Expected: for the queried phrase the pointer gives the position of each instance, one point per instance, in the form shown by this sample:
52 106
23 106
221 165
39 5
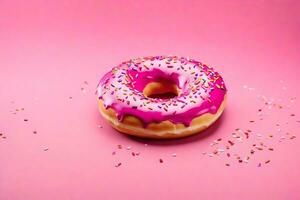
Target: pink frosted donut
131 96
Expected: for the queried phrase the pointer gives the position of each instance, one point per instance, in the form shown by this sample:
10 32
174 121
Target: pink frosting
202 89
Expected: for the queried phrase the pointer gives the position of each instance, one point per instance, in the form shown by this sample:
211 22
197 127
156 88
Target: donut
161 97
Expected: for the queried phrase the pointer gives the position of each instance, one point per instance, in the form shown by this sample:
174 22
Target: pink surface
47 51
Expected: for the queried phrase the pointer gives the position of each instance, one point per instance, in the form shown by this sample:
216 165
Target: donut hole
161 90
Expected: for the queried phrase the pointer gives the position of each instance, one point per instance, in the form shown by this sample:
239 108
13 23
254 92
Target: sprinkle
271 149
119 146
46 149
251 121
267 161
259 148
246 160
174 155
221 150
132 153
113 153
293 137
128 148
161 160
118 165
25 120
259 165
34 132
230 142
227 164
282 137
99 126
213 143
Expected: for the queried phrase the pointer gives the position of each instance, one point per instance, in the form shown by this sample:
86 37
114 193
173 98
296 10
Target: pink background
49 48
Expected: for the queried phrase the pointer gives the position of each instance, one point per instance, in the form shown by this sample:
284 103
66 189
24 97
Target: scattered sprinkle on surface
118 164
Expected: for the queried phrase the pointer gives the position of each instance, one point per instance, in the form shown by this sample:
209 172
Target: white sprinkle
259 135
174 155
221 150
260 114
213 143
128 148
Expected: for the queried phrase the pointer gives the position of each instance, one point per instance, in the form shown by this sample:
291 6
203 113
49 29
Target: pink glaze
202 90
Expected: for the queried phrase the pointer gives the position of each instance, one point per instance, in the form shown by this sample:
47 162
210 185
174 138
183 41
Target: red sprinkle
118 165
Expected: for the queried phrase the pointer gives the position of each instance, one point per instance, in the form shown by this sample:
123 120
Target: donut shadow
181 141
